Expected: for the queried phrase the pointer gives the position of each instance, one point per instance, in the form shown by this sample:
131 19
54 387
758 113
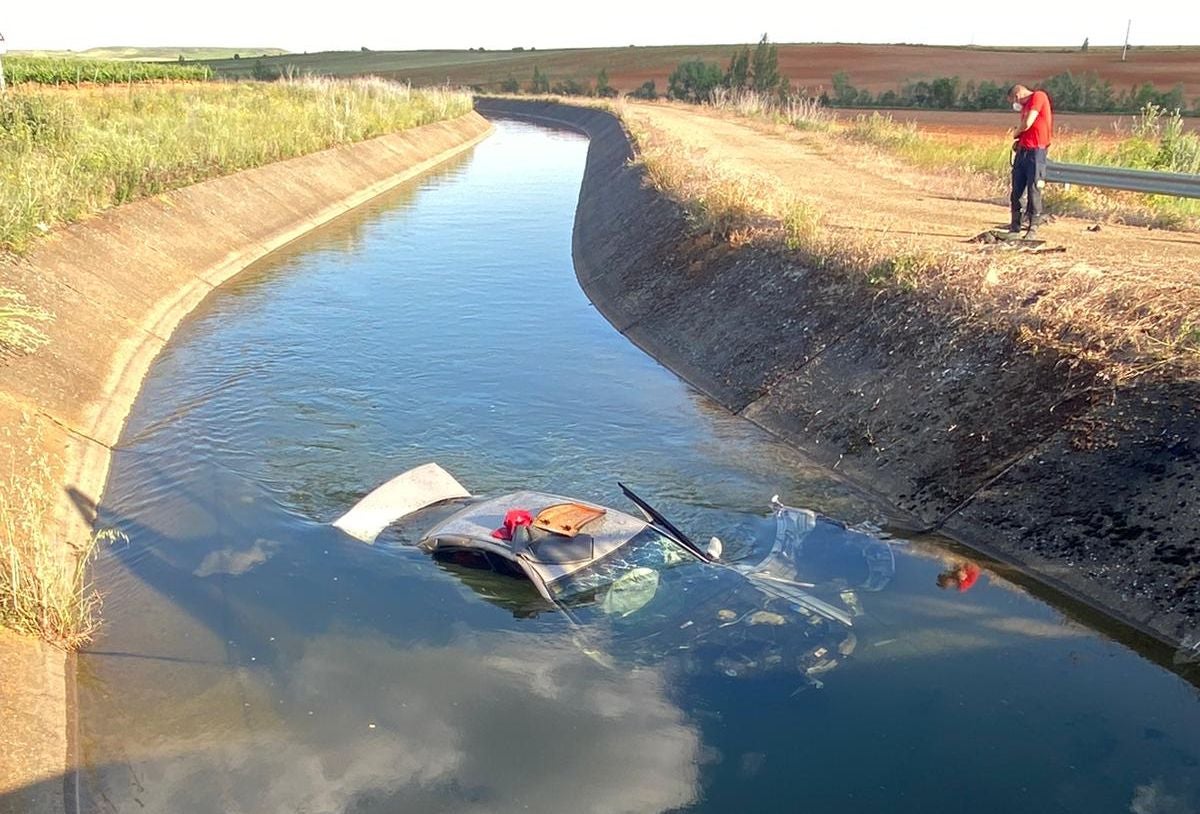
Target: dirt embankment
118 285
1029 456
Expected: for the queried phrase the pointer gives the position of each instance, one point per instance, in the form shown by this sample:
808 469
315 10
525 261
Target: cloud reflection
510 723
236 562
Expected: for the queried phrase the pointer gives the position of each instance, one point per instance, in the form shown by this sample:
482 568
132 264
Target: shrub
603 88
540 82
571 87
263 72
646 91
44 587
764 67
694 81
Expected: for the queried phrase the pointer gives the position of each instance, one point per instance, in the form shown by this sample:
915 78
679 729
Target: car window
648 549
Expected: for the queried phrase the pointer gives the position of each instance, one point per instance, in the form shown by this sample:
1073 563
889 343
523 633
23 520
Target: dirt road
863 190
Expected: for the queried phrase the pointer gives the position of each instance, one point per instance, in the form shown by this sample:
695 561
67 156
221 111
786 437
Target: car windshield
634 565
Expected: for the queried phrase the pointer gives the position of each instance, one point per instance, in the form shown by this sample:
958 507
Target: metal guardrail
1148 181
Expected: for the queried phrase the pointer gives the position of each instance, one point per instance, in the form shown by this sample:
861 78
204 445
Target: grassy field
75 71
64 156
1156 141
811 66
165 54
1127 320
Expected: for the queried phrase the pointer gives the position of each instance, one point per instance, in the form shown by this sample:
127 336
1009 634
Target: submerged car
794 605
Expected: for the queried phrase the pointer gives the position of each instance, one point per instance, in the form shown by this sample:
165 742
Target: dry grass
801 112
1125 322
66 155
44 586
721 204
1156 141
18 334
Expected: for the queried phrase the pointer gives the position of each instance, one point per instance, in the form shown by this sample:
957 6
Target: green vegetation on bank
1082 93
45 590
696 80
66 155
44 586
1157 141
20 70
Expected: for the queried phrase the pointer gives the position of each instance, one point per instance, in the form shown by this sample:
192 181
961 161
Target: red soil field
886 67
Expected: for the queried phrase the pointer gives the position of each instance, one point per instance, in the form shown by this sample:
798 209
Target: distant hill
156 54
812 66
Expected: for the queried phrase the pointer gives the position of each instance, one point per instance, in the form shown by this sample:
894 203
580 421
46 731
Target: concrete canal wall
118 285
1029 458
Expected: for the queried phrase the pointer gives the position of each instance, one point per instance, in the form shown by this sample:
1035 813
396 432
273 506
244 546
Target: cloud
497 724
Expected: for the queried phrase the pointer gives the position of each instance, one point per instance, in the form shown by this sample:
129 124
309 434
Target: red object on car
512 519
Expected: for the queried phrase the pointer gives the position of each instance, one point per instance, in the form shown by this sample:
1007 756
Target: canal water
254 659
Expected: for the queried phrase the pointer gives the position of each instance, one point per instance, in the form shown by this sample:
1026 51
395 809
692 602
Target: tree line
1085 93
757 70
540 84
693 81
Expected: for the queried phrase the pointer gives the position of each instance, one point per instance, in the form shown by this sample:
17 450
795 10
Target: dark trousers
1028 177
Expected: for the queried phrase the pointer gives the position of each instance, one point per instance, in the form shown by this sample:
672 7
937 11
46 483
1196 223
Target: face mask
1017 106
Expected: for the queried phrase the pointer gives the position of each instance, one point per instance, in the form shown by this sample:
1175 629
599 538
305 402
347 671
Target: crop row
67 71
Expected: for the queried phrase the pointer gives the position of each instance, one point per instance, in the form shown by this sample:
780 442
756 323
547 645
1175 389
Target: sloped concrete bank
1027 457
119 284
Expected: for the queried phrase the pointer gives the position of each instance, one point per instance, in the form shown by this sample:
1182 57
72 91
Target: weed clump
45 590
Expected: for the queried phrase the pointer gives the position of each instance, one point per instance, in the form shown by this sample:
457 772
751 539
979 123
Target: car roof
552 556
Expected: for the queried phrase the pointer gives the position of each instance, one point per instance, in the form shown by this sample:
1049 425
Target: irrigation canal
255 659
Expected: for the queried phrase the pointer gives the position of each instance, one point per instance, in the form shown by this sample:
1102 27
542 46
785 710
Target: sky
303 25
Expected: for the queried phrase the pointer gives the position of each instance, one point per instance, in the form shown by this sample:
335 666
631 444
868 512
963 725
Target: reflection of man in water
963 575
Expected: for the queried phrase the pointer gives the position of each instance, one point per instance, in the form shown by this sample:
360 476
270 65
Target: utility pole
1128 25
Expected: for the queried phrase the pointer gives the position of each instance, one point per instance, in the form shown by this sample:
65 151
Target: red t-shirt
1043 125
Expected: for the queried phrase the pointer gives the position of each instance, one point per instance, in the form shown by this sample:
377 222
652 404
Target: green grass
20 70
66 155
1157 142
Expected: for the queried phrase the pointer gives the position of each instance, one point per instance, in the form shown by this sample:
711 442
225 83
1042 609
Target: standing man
1031 140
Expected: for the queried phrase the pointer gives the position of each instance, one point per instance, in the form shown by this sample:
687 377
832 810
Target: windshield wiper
663 524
